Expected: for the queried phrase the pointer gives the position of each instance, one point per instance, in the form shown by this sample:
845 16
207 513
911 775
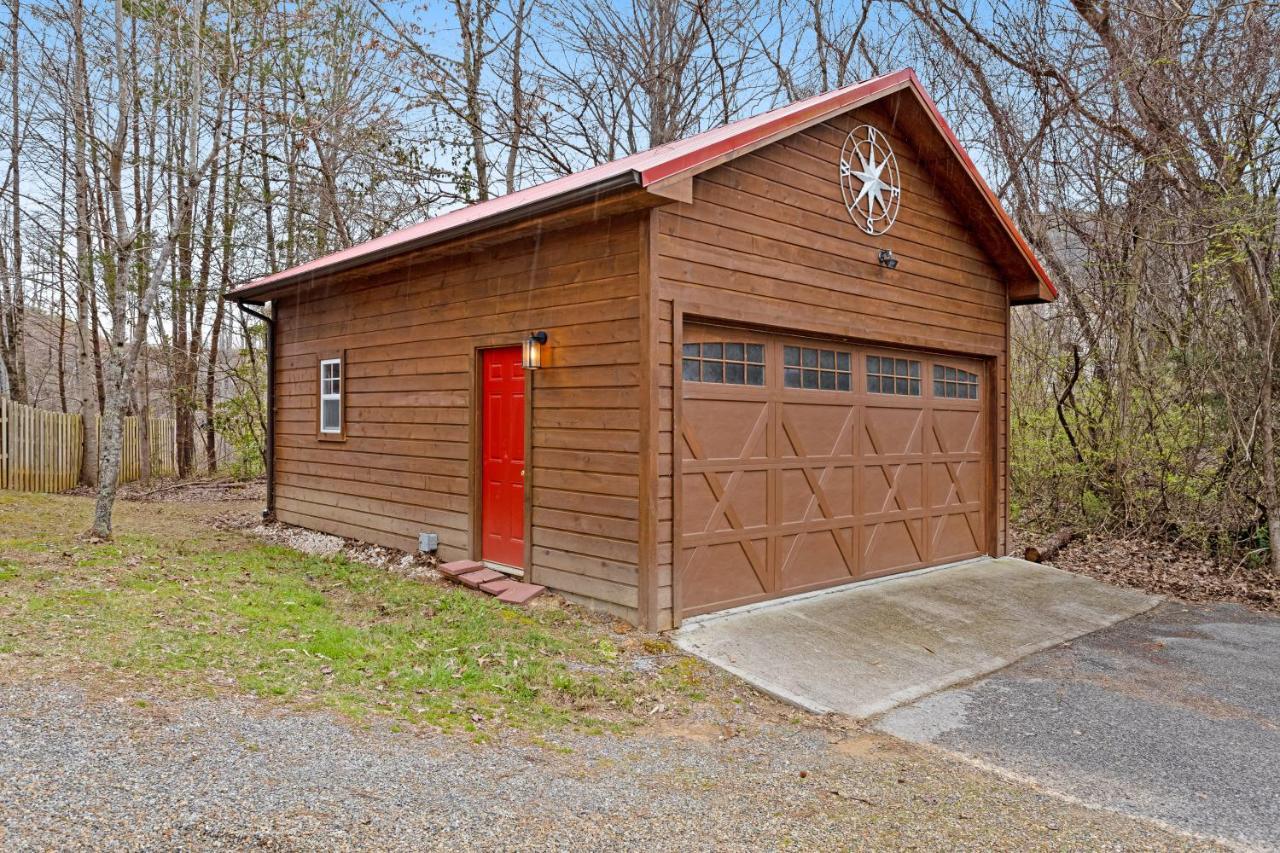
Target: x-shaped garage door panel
787 488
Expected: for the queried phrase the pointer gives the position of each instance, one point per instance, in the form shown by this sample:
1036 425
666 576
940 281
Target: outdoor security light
532 358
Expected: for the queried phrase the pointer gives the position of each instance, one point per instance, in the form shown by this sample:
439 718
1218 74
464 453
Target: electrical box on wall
428 542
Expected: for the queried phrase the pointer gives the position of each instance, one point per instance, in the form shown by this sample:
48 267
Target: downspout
269 513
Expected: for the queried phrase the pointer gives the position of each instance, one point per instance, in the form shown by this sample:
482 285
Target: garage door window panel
892 375
724 362
954 383
816 369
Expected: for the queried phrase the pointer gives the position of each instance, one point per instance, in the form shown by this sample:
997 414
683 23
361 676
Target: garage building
766 359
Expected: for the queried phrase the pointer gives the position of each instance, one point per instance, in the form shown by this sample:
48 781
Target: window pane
938 389
808 357
938 372
734 374
755 353
827 359
873 384
900 367
755 374
692 349
902 386
873 364
712 371
842 360
915 370
791 356
827 380
692 370
734 352
842 381
810 377
712 350
791 377
329 415
915 387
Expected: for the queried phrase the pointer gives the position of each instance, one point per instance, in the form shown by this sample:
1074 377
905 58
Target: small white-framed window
331 396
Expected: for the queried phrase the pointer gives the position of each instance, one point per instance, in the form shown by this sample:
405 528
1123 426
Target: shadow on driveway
1172 715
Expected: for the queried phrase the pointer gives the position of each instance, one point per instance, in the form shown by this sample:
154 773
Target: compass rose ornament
869 179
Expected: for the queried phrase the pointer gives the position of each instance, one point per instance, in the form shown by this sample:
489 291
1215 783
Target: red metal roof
643 170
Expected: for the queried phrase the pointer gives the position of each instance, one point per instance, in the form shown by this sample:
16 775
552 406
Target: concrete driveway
1172 715
864 649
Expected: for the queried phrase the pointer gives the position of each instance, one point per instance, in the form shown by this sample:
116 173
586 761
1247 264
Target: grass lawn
177 605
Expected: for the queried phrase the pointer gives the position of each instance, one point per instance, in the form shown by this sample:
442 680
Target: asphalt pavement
1172 715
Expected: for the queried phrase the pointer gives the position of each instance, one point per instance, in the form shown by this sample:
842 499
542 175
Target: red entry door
502 425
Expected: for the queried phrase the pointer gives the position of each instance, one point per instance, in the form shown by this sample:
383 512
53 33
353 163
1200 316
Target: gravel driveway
1172 715
93 769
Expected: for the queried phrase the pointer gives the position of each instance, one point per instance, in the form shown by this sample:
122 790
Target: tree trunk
109 462
142 405
517 95
1049 549
62 275
15 350
210 433
1270 485
473 29
86 345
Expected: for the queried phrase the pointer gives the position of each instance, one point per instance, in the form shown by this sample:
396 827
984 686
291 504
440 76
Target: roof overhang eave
254 294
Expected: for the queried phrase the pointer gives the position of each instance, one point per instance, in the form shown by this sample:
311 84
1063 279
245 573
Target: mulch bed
1171 570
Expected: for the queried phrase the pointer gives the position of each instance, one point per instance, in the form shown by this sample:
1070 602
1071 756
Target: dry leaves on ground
1171 570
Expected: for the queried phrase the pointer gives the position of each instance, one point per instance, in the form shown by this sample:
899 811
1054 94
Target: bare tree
12 286
1143 161
622 77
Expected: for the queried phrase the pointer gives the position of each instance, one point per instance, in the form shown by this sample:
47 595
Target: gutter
268 513
590 192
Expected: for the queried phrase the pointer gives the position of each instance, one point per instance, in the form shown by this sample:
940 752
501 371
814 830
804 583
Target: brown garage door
807 463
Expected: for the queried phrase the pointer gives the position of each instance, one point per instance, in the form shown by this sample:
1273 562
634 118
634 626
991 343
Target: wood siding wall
767 240
409 335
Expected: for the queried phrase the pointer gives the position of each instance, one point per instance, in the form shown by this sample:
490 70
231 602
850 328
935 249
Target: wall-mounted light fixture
888 260
532 357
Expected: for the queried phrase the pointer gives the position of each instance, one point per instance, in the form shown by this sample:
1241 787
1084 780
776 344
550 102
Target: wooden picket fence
40 450
164 448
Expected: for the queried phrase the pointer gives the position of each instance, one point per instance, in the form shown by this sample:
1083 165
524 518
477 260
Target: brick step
496 586
518 592
459 567
506 589
474 579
